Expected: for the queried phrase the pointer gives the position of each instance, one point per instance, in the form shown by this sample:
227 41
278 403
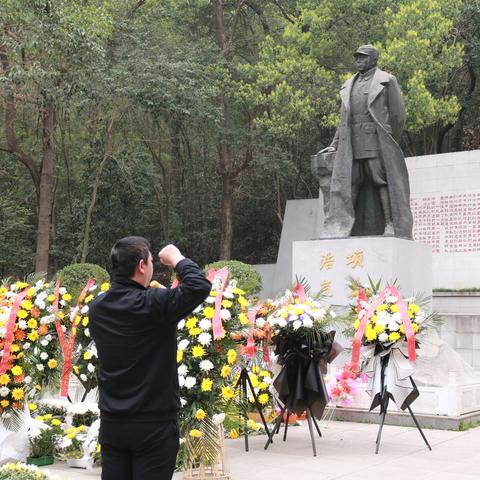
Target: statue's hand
328 149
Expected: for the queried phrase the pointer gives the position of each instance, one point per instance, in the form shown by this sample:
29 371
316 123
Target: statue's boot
387 212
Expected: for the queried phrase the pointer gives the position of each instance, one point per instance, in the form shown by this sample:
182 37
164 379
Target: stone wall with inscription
445 202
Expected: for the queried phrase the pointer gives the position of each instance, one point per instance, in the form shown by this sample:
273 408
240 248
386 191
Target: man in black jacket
135 331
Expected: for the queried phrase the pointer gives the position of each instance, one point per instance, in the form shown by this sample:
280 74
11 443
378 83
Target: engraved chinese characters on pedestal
362 174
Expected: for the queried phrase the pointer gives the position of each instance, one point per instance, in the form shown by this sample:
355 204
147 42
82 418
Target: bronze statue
369 188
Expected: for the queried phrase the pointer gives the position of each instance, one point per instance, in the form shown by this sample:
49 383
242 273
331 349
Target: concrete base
439 422
328 263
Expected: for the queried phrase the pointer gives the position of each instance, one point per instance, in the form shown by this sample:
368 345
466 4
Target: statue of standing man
369 188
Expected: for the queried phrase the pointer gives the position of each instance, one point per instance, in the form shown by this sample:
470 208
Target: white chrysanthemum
396 316
183 402
62 290
225 314
204 338
260 322
36 351
293 318
28 379
393 326
4 391
183 344
181 324
81 408
205 324
391 299
90 367
420 318
383 337
307 321
190 382
84 309
40 303
182 369
86 332
198 309
267 380
22 324
228 294
181 381
210 300
40 367
44 355
47 319
361 314
83 377
218 418
206 365
44 342
281 322
297 324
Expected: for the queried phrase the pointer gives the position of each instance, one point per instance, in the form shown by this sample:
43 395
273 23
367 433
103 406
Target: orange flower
19 378
35 312
42 330
19 335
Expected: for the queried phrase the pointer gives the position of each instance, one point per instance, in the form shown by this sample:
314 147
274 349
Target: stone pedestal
328 263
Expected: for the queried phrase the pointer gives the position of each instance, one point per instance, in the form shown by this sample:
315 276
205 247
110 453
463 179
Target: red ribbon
402 307
9 337
67 345
250 340
222 274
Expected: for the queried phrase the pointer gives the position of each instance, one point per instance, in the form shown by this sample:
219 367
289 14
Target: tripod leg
277 424
316 424
245 396
257 403
379 435
286 427
419 429
309 418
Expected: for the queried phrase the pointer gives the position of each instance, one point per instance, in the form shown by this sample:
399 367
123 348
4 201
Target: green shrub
247 277
74 277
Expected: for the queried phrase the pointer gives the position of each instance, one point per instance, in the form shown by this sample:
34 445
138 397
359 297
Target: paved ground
347 452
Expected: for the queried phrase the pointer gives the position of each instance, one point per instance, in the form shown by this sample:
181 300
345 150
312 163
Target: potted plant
43 441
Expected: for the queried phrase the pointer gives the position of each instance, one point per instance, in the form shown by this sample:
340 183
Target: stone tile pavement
347 452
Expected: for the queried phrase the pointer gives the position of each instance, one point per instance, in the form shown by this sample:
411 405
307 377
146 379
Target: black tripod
385 398
276 428
242 382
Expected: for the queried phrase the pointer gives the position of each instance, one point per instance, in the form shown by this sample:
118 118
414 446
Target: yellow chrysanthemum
18 393
21 285
33 336
243 318
233 434
226 303
4 403
104 287
208 312
382 307
264 373
76 370
194 433
262 385
179 356
195 331
67 297
88 299
242 301
52 363
200 415
206 385
394 308
402 328
17 370
32 407
238 291
51 297
356 324
87 356
22 314
56 422
370 334
61 315
414 327
4 379
394 336
227 393
379 329
26 304
191 322
254 380
413 307
32 323
226 370
198 351
71 435
231 356
263 398
14 348
85 321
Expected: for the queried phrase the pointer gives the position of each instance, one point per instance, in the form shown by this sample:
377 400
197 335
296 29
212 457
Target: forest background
193 121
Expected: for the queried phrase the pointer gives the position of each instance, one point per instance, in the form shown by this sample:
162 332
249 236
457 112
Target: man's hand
170 255
328 149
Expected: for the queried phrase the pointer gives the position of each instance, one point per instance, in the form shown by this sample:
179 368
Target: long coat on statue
386 107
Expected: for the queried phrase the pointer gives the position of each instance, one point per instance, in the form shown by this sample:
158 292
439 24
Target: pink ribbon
299 291
222 274
402 307
10 329
250 340
175 283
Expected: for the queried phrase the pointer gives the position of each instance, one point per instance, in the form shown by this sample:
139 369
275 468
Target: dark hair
126 253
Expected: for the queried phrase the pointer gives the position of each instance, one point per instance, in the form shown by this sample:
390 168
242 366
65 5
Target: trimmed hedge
247 277
74 277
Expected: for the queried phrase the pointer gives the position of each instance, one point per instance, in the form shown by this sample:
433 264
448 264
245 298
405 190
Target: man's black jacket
135 331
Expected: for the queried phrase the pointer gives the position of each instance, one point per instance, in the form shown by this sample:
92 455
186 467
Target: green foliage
247 277
74 277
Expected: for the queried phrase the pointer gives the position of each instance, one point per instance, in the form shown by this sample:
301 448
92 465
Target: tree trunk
96 185
226 237
45 197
